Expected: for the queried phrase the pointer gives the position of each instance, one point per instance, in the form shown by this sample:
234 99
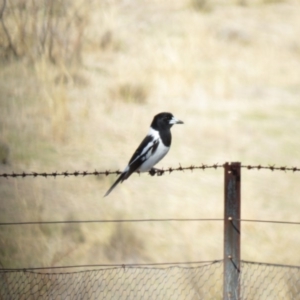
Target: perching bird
152 149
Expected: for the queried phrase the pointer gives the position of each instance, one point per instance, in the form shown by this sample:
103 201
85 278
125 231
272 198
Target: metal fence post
232 215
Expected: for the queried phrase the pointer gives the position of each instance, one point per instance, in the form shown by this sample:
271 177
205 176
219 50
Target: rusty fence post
232 236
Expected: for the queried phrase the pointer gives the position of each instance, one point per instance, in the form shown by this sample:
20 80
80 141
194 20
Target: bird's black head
164 120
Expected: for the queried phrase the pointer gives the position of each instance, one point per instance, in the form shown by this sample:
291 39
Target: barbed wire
153 172
158 172
271 168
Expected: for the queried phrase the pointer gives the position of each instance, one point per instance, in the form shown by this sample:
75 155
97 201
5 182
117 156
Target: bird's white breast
153 159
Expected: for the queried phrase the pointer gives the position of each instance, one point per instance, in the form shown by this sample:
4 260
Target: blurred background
80 82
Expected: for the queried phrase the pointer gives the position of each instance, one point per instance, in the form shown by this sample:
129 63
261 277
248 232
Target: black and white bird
152 149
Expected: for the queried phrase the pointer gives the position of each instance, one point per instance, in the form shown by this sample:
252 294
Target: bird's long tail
120 179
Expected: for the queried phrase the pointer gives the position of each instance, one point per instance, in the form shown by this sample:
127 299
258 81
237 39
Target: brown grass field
230 70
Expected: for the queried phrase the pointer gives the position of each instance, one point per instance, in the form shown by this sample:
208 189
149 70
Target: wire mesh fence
205 281
269 281
173 282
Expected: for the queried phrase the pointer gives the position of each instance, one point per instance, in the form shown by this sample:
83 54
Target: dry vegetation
72 100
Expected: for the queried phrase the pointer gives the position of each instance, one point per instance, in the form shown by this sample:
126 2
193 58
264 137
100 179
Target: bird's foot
156 171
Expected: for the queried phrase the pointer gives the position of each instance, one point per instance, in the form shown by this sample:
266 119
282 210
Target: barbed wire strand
271 168
153 172
106 221
158 172
114 265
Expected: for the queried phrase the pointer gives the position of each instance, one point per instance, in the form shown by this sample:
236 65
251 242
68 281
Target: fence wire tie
230 219
235 266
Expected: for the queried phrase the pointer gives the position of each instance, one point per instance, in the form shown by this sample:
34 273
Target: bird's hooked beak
175 121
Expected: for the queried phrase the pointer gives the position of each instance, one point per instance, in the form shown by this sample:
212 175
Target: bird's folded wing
147 148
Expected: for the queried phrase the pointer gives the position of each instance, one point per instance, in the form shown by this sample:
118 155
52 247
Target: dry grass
53 29
231 73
